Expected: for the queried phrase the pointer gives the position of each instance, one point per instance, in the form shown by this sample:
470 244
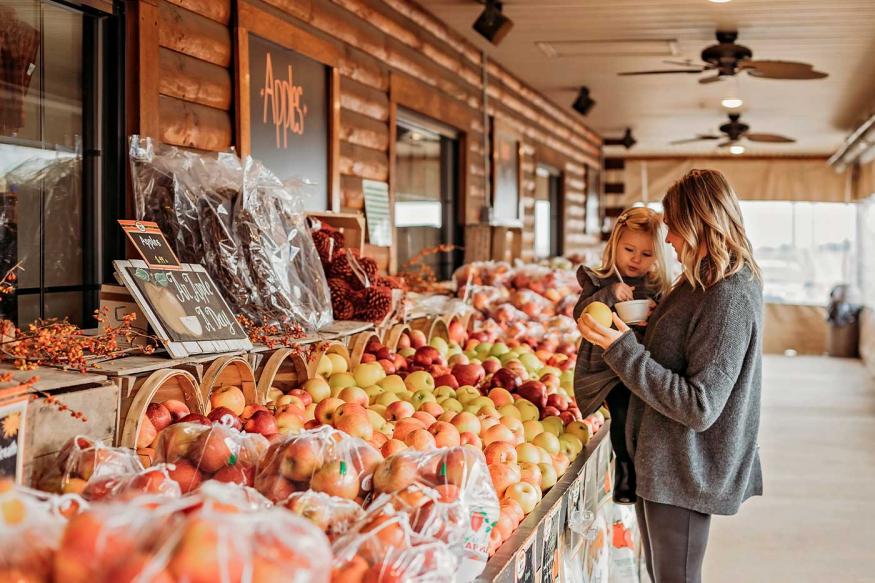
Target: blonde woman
633 267
695 381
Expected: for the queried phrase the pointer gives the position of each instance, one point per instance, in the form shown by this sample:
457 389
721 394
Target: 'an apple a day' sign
184 308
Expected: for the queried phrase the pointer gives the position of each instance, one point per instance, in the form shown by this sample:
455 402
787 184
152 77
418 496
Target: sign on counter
186 310
550 533
151 244
12 416
526 562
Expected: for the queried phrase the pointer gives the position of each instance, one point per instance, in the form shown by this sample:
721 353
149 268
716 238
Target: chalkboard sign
151 243
12 439
550 539
186 310
289 116
526 563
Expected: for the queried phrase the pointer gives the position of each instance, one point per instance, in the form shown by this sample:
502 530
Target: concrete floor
816 521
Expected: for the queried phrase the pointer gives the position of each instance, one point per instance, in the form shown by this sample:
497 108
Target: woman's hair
645 220
703 210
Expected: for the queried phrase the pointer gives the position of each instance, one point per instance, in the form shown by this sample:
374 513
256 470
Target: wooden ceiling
558 45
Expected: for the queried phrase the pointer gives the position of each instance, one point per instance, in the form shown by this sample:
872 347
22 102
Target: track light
627 141
583 104
492 24
736 150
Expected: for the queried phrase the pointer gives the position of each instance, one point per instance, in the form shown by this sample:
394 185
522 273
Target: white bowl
633 312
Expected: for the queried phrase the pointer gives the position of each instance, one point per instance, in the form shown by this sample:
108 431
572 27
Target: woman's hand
623 292
597 334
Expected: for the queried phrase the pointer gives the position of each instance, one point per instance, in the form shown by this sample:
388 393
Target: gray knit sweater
695 409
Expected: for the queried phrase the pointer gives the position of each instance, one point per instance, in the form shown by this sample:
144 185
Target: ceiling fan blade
713 79
781 70
771 138
726 143
687 63
660 72
696 139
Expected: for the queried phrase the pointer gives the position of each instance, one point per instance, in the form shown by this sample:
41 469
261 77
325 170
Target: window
803 248
55 146
426 192
548 212
542 229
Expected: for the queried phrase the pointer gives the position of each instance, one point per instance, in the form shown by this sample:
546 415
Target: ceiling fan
734 131
728 59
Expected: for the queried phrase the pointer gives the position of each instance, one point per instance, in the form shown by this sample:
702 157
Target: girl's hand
623 292
597 334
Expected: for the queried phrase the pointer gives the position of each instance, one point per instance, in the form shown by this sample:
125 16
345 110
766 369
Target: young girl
635 252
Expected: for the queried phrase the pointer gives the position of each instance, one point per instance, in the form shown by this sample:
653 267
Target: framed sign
506 174
184 308
12 417
377 212
288 113
594 213
151 243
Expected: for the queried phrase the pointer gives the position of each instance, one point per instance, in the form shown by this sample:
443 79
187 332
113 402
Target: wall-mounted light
584 103
736 150
492 24
627 141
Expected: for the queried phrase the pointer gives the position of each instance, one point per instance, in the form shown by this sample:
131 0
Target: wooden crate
229 370
507 243
478 243
352 225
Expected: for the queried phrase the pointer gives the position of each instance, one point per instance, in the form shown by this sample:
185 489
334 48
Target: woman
694 414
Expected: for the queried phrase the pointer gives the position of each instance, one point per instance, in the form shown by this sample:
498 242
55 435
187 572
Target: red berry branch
271 335
27 387
419 276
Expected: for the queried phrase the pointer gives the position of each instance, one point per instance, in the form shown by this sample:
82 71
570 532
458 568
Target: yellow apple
368 374
510 411
418 381
553 425
325 368
341 380
467 393
547 441
393 383
528 410
580 430
318 388
531 428
444 392
377 420
548 476
528 453
373 392
386 399
570 445
601 313
452 405
338 363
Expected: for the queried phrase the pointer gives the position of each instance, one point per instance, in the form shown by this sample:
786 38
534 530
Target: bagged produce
332 515
195 453
324 460
625 541
30 530
155 481
383 548
84 461
456 473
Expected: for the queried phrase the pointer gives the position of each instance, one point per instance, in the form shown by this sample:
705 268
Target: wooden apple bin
358 345
323 348
393 336
229 370
434 327
286 369
160 386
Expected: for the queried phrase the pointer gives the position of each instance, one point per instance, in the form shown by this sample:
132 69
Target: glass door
52 136
426 194
548 212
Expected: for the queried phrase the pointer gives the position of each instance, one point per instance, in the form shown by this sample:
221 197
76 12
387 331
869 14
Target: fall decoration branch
272 335
419 276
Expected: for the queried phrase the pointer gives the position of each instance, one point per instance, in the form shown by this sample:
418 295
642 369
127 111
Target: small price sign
151 244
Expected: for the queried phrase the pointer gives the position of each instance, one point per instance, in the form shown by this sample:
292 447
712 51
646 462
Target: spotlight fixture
627 141
736 150
583 104
492 24
731 102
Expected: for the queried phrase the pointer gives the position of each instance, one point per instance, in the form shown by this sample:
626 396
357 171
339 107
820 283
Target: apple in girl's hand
601 313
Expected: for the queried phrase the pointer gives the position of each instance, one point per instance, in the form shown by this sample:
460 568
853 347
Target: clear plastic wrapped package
324 460
332 515
196 453
153 481
84 461
30 531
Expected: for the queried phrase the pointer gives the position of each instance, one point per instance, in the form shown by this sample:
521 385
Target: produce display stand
536 545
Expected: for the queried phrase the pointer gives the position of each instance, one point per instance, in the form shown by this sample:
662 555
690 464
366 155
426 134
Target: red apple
262 422
383 354
186 475
417 339
567 417
388 366
306 398
506 379
159 415
195 418
224 414
534 391
400 362
373 346
403 341
250 410
177 409
469 374
447 380
549 411
490 366
427 356
367 357
457 332
559 401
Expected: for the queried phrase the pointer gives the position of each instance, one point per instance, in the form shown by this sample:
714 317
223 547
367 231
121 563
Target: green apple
386 399
528 453
570 445
554 425
547 441
381 409
452 405
531 362
471 354
444 392
338 362
407 352
528 410
393 384
421 397
579 430
510 411
467 393
377 420
480 409
566 377
368 374
498 349
441 345
482 401
373 392
605 413
324 368
341 380
531 428
406 396
506 358
419 380
550 370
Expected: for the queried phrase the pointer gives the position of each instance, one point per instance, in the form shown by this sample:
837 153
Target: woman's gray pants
674 541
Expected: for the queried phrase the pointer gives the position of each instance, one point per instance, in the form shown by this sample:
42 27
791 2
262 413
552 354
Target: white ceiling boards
558 45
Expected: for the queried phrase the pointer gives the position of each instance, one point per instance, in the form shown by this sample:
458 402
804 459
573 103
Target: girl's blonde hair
703 210
641 219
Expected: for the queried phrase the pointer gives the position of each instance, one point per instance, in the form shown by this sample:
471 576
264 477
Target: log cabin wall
392 53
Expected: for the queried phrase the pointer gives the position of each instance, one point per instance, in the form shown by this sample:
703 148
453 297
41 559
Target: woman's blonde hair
645 220
703 210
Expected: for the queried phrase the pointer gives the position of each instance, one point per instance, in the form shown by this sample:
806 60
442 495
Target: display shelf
50 379
501 568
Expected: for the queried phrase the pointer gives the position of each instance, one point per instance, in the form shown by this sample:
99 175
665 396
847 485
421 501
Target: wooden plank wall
185 75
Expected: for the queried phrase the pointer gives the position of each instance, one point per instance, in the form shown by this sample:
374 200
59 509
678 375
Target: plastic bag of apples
223 533
334 516
322 459
456 474
155 481
382 547
196 453
83 462
31 525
